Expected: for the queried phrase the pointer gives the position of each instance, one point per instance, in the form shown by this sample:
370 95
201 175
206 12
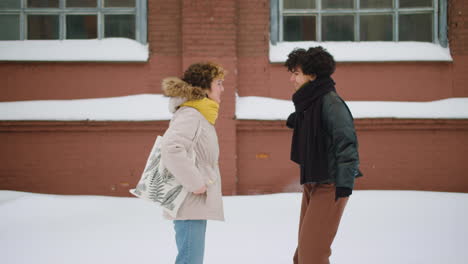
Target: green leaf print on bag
157 184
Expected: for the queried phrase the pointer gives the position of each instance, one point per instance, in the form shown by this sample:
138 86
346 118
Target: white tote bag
158 185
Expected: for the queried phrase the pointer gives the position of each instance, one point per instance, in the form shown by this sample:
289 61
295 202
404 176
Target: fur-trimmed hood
175 87
180 92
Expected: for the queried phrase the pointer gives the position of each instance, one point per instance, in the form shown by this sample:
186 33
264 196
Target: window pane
81 3
10 3
43 3
43 27
81 26
416 27
326 4
119 3
338 28
10 27
299 4
297 28
120 26
415 3
376 28
376 3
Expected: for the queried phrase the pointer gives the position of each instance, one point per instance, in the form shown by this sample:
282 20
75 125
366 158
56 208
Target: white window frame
69 52
439 44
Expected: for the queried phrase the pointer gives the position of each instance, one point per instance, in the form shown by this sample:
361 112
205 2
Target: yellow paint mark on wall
262 156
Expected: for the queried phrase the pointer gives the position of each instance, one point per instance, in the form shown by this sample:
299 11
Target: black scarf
308 143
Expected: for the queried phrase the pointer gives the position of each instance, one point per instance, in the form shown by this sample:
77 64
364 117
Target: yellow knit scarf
207 107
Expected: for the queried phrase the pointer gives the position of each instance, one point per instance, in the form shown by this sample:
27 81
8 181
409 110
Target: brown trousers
320 217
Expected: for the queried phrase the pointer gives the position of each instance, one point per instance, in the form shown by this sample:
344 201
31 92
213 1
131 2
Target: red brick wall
209 34
458 27
394 154
458 36
105 158
70 157
63 80
253 32
398 81
165 42
180 32
390 81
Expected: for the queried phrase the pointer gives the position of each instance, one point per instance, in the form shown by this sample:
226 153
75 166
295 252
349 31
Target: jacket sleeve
291 122
175 149
340 126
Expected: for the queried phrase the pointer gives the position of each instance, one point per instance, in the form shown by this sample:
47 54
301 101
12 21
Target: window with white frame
72 19
359 20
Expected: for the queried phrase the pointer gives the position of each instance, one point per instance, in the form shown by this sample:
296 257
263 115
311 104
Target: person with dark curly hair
325 147
190 151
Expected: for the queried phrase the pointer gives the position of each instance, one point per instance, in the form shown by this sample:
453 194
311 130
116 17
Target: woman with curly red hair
190 152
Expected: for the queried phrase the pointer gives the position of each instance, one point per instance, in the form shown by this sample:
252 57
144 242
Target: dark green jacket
341 141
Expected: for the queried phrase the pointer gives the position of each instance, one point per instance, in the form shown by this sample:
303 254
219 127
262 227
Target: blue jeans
190 240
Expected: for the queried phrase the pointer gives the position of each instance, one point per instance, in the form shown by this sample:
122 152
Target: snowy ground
378 227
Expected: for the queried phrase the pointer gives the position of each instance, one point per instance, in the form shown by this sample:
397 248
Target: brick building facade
107 158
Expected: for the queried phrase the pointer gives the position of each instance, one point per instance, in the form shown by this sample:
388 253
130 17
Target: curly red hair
202 74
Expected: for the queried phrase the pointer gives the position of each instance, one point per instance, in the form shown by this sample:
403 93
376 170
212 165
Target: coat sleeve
291 122
340 125
175 149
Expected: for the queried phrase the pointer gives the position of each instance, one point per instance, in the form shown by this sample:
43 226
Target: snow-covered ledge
367 51
109 49
154 107
264 108
141 107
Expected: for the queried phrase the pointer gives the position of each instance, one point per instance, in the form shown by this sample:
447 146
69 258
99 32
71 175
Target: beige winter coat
190 131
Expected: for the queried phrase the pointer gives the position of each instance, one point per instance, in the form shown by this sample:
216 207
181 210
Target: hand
202 190
342 192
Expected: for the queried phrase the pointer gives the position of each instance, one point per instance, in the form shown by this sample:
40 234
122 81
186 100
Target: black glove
342 192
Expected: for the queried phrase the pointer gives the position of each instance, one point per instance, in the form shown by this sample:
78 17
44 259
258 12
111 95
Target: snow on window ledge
264 108
154 107
367 51
140 107
109 49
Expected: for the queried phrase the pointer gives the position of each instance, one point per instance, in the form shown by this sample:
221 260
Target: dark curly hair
202 74
314 61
